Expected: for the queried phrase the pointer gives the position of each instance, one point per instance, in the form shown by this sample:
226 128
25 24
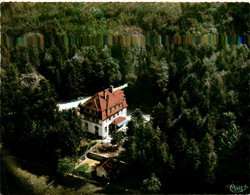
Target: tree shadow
68 181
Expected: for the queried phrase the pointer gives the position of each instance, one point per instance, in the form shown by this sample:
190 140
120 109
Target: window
119 105
109 118
110 110
114 107
90 111
96 130
105 129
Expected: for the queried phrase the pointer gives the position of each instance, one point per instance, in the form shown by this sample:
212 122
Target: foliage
117 137
201 114
66 164
146 147
82 171
151 185
105 148
37 122
198 94
91 144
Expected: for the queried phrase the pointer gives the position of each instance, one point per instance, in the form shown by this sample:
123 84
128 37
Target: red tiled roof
118 120
107 165
100 104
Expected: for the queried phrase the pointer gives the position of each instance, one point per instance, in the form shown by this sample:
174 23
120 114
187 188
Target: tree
200 122
117 137
151 185
147 148
66 164
208 158
136 119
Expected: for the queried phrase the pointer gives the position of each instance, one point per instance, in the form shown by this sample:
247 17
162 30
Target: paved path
75 103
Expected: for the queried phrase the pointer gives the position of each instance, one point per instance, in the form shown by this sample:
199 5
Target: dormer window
119 105
110 110
114 107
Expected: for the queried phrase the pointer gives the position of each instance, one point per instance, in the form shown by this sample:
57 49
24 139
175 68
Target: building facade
104 112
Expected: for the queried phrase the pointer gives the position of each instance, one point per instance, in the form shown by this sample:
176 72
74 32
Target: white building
105 112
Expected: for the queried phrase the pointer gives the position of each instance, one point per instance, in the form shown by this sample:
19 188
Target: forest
197 140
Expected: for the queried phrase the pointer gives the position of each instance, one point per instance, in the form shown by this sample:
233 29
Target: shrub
105 148
151 185
117 137
91 144
82 171
66 164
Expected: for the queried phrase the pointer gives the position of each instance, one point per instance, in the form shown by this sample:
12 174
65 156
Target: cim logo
237 188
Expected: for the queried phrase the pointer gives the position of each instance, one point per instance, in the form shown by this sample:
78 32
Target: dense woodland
198 95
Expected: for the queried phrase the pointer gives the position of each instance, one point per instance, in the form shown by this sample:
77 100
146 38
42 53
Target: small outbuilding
104 168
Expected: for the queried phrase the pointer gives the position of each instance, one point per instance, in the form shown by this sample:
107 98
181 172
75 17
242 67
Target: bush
82 171
151 185
66 164
117 137
105 148
91 144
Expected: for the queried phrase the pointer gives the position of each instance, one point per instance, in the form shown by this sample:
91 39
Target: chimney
104 94
111 89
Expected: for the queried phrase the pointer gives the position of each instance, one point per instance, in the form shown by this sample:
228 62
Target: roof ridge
103 104
95 104
107 102
107 161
